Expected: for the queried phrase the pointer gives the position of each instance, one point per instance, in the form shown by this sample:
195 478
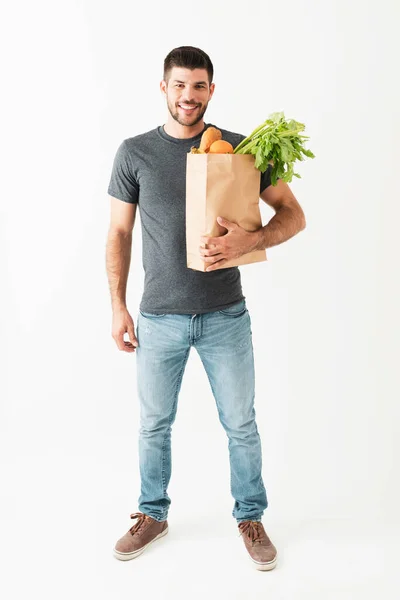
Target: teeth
186 107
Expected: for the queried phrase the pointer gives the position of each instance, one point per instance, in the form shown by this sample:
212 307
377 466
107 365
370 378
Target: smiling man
187 113
183 308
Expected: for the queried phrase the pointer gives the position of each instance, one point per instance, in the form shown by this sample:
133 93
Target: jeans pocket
147 315
236 310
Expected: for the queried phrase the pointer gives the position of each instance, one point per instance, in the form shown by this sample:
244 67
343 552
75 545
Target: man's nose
189 95
189 99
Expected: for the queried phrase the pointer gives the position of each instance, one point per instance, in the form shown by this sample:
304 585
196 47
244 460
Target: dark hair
188 57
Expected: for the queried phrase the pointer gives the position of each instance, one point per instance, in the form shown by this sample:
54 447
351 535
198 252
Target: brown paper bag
225 185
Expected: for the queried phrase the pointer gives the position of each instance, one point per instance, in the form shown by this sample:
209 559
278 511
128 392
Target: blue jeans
223 340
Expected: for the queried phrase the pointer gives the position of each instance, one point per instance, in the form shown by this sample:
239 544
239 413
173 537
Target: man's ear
212 88
163 86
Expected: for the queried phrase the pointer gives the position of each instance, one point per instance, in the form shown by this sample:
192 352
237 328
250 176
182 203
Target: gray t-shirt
150 169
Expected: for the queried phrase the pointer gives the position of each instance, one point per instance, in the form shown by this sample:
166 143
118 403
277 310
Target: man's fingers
119 340
132 337
209 241
217 265
207 252
122 344
129 347
123 324
212 259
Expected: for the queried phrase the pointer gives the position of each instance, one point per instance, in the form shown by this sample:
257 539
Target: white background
79 78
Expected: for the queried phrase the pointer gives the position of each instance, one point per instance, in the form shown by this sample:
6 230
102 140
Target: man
181 307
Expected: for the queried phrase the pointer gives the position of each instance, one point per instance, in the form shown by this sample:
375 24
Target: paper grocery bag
225 185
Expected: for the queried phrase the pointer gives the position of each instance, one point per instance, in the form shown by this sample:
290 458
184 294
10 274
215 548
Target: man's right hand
122 323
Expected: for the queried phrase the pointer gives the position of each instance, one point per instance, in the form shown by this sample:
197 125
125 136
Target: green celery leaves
278 142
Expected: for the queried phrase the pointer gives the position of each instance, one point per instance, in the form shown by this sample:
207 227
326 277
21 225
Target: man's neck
176 130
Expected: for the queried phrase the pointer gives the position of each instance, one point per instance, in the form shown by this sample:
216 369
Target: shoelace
141 520
252 529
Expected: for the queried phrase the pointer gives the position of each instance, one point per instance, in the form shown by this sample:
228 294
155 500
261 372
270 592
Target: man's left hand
233 244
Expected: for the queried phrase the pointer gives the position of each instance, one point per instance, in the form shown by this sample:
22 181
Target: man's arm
118 258
118 251
288 220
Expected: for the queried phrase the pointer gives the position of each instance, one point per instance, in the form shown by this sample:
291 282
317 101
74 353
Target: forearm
118 258
284 224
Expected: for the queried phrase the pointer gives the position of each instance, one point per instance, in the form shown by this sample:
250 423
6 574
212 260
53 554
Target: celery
278 142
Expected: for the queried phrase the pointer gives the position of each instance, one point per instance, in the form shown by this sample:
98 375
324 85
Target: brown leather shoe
145 531
259 546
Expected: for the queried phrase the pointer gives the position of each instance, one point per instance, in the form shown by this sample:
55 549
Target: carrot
212 134
221 147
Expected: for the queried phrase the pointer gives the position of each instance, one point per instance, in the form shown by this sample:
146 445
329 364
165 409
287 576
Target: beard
187 120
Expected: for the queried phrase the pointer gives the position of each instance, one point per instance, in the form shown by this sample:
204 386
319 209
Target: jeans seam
216 403
230 314
254 418
179 381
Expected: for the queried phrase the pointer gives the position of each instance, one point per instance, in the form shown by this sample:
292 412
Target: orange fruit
221 147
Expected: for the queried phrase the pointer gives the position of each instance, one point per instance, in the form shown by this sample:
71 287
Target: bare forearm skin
118 258
284 224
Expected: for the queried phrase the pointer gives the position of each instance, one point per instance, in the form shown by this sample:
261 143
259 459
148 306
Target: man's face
188 94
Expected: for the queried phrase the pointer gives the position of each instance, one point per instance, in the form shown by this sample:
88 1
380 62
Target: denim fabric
223 340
